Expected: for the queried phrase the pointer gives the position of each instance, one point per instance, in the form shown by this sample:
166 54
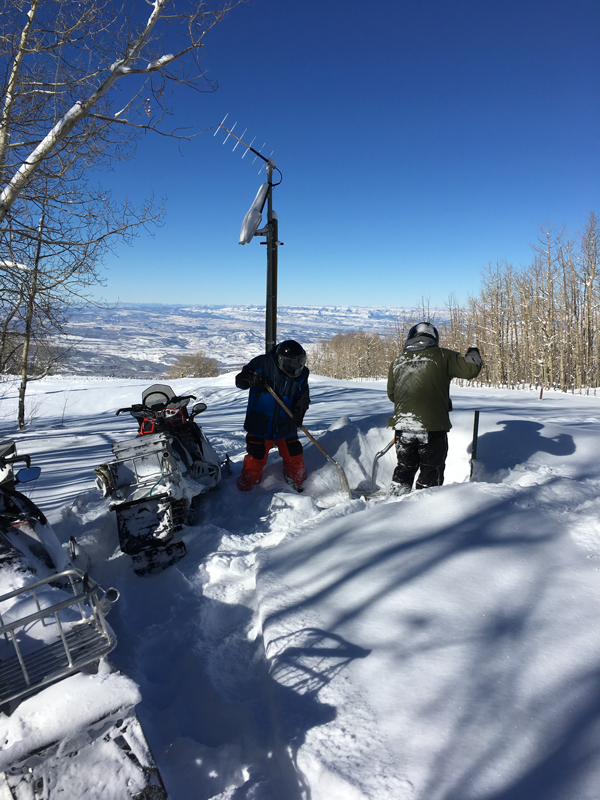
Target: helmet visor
292 365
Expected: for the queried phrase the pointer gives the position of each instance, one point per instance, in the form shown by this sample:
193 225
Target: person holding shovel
283 369
419 387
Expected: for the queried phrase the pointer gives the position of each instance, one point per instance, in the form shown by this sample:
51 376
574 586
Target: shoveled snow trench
441 646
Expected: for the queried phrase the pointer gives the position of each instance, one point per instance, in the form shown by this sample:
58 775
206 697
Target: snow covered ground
441 646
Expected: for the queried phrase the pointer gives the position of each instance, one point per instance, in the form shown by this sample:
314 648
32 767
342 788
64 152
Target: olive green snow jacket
419 387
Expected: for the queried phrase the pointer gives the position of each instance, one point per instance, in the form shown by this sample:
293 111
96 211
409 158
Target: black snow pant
425 452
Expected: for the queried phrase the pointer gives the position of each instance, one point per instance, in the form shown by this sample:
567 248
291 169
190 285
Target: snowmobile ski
54 635
115 744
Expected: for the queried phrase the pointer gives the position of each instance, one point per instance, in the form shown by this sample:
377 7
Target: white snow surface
68 708
439 646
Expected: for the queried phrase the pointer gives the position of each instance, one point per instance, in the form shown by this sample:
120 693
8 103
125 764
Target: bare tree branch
77 49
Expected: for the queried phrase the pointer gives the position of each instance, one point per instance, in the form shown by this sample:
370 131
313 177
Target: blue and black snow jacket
264 417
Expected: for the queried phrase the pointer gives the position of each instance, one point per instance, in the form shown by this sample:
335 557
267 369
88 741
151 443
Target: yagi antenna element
257 154
251 223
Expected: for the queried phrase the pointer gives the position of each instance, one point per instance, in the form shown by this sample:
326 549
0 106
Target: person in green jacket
419 387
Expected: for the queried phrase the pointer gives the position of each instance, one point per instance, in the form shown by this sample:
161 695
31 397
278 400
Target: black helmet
291 358
424 329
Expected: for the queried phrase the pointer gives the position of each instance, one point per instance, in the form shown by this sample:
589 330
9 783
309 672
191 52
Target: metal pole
474 441
271 306
272 241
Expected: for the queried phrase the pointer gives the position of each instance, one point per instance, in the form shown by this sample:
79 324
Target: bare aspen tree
454 328
64 60
81 82
570 330
546 260
28 326
397 330
56 271
351 355
12 294
537 325
589 274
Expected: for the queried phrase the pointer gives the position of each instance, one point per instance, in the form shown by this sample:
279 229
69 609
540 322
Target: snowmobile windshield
157 396
292 365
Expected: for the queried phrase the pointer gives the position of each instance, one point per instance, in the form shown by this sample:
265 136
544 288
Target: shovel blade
343 479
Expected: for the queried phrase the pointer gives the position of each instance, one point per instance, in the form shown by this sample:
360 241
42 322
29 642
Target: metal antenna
239 140
270 231
269 161
236 144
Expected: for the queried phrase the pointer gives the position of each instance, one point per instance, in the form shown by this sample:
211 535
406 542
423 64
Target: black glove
242 380
245 380
257 380
473 356
299 410
297 418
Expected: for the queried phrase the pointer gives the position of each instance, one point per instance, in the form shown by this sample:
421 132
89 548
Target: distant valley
136 340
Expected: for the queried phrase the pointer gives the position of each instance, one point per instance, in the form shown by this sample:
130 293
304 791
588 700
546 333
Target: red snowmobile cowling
175 417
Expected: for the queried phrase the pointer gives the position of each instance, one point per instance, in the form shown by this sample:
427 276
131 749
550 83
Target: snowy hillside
143 340
440 646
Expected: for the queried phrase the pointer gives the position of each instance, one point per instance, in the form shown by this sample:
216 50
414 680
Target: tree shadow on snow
517 443
213 692
407 559
565 771
510 740
521 724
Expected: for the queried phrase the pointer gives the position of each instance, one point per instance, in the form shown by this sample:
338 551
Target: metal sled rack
124 747
140 466
80 638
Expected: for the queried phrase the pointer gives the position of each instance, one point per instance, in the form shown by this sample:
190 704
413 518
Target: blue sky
418 141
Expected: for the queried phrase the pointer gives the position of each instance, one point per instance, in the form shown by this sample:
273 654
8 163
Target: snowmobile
53 628
28 546
157 479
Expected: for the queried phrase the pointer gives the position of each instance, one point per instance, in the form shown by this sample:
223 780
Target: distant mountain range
136 340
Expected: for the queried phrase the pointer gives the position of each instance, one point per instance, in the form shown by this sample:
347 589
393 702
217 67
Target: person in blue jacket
283 369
